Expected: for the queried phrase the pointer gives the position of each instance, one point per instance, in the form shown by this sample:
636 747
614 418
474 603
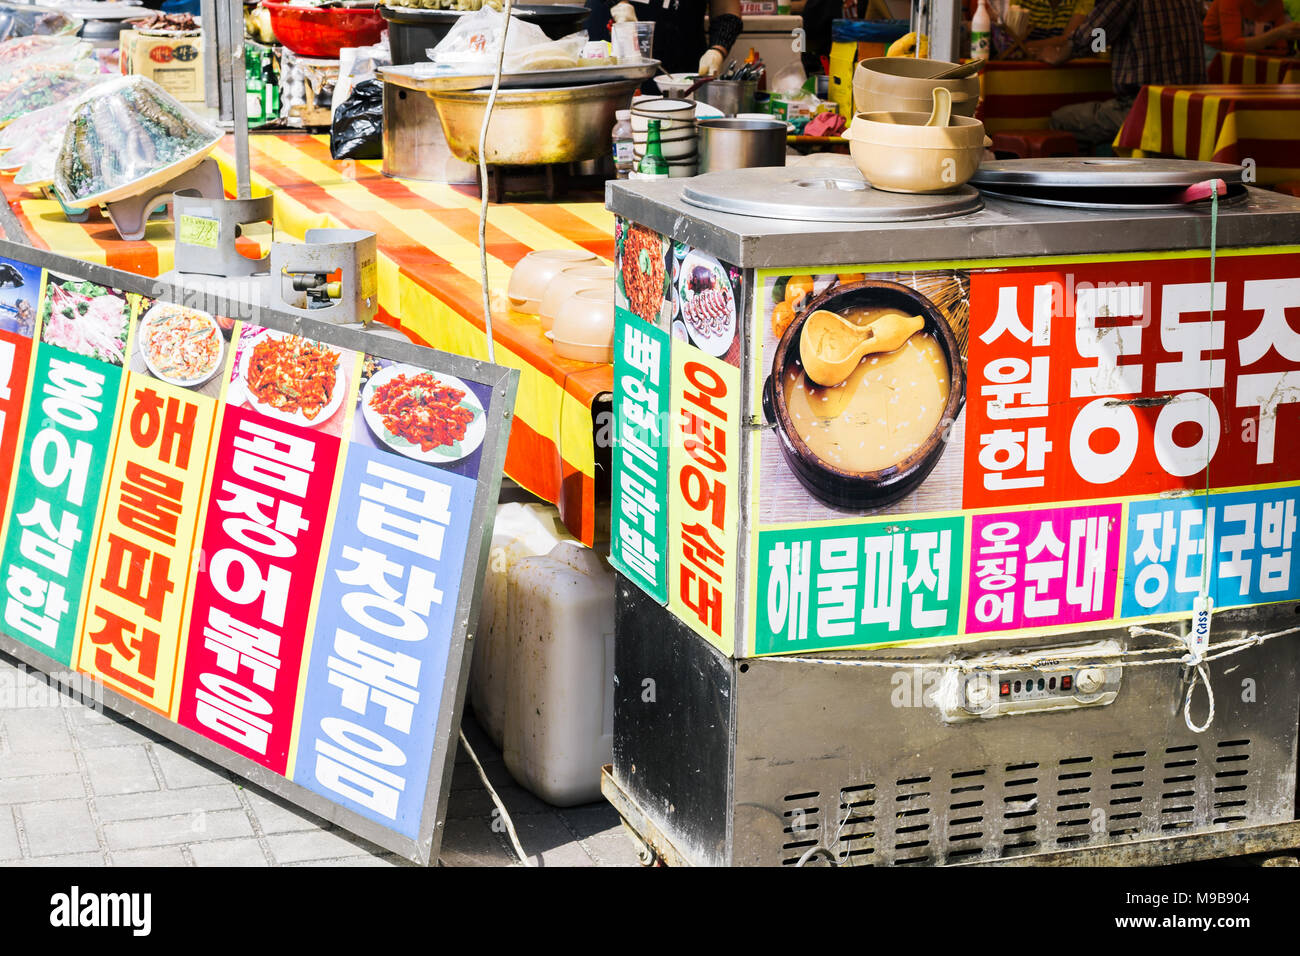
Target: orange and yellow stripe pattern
429 284
1257 124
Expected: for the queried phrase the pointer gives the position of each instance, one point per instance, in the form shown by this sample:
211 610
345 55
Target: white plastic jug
520 531
559 717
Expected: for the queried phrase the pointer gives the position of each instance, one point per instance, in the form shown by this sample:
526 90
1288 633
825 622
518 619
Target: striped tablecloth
428 285
1223 123
1253 68
1022 94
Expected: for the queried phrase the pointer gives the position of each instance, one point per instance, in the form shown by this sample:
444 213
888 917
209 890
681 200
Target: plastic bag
19 53
21 20
559 54
43 89
124 131
357 64
358 127
473 43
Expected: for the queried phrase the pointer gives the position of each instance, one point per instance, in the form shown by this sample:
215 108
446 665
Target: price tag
369 285
198 231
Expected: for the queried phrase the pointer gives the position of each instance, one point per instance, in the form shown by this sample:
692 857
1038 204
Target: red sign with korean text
262 543
1102 378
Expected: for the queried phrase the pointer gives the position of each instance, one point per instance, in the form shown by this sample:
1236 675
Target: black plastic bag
358 127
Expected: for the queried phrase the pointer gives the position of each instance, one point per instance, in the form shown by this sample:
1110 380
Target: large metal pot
740 143
563 124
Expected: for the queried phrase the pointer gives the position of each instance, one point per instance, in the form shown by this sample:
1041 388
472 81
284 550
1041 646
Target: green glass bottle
653 165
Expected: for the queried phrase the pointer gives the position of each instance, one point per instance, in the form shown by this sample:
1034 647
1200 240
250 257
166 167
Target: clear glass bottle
624 146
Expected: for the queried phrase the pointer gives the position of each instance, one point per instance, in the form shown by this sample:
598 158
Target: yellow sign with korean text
703 500
144 556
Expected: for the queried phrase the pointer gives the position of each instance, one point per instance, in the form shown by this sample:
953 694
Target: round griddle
1102 182
1110 197
825 194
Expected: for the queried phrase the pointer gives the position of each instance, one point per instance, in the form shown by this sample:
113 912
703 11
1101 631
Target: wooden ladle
830 347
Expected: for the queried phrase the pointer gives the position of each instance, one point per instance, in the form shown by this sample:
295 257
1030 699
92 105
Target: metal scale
1080 758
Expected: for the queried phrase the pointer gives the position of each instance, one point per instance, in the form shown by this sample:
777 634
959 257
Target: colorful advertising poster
389 595
845 585
1095 426
677 449
264 538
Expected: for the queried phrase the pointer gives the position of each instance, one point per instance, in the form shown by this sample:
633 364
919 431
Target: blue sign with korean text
1252 560
382 634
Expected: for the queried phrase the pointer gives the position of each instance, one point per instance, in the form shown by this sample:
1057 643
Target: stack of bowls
677 136
534 272
568 283
584 328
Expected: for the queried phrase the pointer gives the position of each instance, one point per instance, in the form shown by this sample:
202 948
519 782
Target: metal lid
1110 172
1152 197
823 194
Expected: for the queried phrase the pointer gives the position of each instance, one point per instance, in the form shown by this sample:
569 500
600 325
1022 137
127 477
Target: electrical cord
483 184
496 799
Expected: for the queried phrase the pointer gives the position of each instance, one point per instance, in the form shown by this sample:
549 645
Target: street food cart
985 630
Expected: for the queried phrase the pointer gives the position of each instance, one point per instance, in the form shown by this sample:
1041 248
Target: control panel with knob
996 685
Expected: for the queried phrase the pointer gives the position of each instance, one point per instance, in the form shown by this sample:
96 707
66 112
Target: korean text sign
1123 447
259 538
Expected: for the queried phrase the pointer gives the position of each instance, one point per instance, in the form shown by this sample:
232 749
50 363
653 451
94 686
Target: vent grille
1033 806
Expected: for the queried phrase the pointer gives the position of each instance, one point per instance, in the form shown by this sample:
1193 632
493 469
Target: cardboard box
175 64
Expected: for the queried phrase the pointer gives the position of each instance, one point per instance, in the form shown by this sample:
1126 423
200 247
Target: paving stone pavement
82 787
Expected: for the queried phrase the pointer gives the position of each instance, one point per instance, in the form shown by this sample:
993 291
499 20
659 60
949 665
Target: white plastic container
559 717
520 531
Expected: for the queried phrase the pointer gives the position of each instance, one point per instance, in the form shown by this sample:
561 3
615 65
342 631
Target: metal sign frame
385 343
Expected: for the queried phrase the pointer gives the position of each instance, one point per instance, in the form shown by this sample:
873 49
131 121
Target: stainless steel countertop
1001 229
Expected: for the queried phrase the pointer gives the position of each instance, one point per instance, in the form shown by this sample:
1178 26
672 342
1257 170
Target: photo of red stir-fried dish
292 375
422 410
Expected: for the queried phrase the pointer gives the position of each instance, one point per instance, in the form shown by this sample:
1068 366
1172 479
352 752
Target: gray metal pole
239 99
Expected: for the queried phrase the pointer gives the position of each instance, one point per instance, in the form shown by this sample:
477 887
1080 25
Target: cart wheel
644 852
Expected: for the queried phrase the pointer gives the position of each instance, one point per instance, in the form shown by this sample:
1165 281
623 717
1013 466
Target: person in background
1049 19
1250 26
1149 41
679 42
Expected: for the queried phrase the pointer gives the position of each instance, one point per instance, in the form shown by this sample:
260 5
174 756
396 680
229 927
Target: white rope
483 185
501 808
1223 649
1203 676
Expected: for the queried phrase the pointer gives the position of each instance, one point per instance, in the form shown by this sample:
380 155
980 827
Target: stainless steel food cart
949 732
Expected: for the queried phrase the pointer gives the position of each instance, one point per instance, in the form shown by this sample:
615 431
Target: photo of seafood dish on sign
424 415
864 392
180 345
85 318
706 304
291 379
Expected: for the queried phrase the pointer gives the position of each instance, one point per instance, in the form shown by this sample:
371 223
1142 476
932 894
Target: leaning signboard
263 534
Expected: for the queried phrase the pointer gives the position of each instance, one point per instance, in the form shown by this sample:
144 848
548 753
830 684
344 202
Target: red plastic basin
321 33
